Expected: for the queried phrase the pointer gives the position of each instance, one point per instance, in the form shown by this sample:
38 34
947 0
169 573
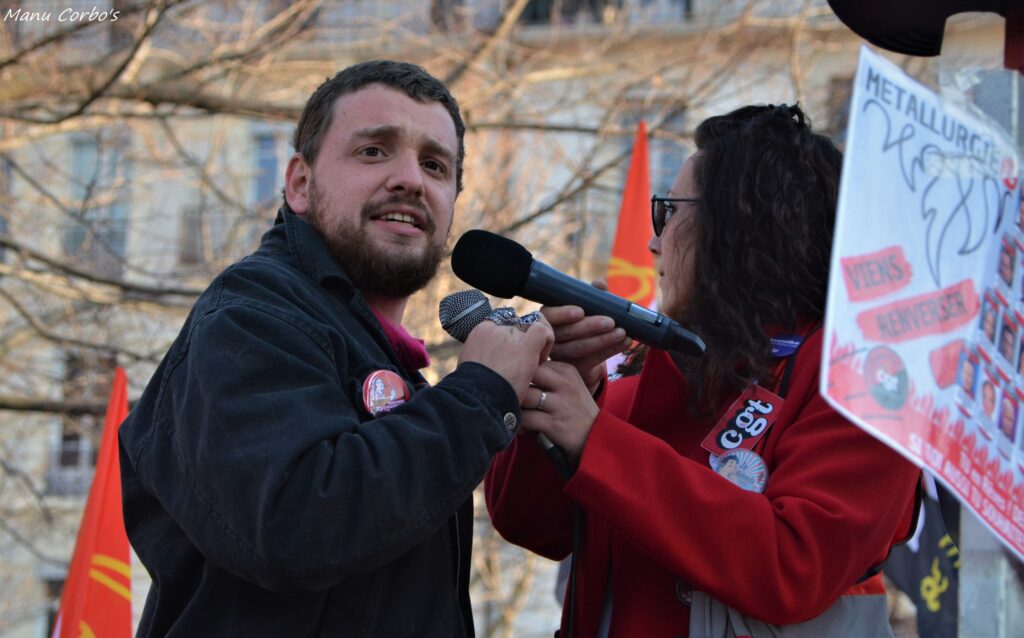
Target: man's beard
394 273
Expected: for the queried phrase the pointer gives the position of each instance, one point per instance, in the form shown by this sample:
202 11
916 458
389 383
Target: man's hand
511 351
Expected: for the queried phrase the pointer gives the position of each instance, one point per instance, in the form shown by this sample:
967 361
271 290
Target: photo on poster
989 393
989 319
1008 330
967 373
1008 409
1007 261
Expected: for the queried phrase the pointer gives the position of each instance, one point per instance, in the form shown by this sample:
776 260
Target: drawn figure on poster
942 201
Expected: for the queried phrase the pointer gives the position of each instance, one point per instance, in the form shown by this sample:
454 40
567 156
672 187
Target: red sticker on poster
876 274
932 313
944 360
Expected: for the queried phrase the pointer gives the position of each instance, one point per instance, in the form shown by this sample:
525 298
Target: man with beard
287 472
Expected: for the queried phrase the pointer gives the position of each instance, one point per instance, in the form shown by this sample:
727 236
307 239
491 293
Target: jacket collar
310 253
308 249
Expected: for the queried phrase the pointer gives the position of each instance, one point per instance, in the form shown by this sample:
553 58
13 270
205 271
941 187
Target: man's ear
297 183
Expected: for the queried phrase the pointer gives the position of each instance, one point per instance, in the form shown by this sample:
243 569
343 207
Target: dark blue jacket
263 498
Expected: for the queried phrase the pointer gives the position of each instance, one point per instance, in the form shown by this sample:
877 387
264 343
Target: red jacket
660 521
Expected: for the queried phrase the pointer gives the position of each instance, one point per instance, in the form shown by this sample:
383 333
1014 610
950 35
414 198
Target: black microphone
503 268
459 313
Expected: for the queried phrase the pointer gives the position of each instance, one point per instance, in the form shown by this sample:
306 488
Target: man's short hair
408 78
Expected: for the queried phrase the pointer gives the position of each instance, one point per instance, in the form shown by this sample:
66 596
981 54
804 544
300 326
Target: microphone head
461 311
495 264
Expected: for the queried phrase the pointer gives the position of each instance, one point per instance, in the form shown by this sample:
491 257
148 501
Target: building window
84 164
203 235
120 30
96 234
265 178
448 16
837 107
87 377
570 11
190 244
14 34
54 587
666 151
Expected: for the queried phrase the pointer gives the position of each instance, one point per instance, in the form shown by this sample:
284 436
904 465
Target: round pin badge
384 390
887 378
743 467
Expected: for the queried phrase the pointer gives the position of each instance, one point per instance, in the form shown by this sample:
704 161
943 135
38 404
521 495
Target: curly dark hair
408 78
768 187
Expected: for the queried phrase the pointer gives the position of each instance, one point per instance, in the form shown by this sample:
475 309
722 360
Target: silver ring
543 398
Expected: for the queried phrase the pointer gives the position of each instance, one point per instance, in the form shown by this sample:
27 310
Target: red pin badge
383 391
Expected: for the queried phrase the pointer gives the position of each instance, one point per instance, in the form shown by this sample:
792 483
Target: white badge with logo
743 467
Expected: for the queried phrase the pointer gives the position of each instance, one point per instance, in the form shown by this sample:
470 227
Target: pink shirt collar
412 353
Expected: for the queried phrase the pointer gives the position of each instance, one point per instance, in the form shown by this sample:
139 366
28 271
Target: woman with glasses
717 496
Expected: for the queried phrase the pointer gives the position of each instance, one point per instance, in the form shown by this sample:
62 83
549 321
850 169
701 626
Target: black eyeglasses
662 209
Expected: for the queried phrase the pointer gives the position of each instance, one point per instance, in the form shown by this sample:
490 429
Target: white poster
925 311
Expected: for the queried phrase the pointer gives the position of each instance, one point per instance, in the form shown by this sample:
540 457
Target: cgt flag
97 599
631 271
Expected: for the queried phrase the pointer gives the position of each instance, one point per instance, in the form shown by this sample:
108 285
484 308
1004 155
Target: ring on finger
543 398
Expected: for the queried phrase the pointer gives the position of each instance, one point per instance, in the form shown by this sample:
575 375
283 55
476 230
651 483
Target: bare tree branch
508 22
51 406
29 545
128 289
55 338
152 19
62 35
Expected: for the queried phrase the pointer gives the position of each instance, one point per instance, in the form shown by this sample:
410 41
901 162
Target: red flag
631 272
97 599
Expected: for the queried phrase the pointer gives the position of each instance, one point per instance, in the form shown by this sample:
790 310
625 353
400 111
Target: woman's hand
559 405
514 352
585 342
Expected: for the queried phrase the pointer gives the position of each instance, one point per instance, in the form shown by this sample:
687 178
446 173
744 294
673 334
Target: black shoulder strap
787 373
